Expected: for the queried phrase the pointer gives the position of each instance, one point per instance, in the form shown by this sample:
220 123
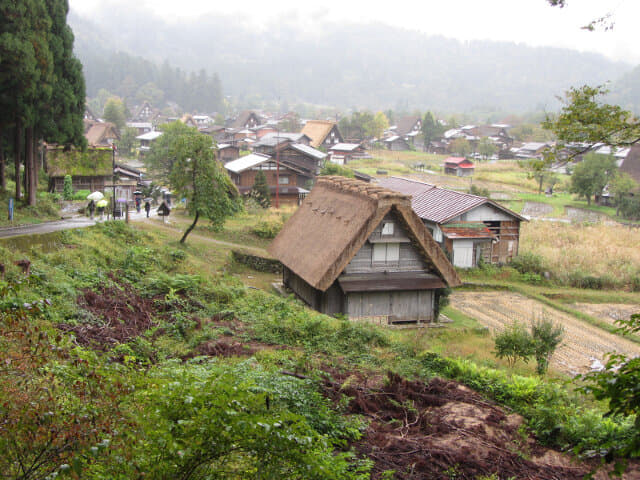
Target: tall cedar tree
41 84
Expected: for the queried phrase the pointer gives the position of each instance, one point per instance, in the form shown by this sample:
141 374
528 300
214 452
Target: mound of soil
120 315
221 349
444 430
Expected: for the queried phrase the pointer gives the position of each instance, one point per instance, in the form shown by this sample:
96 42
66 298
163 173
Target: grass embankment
101 278
47 208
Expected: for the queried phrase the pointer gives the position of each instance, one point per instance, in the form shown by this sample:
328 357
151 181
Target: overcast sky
532 22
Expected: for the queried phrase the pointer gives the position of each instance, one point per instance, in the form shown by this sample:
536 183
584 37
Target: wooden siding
302 289
409 258
403 306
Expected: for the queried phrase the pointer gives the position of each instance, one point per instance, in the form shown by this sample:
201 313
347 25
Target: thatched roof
336 219
94 162
100 133
317 131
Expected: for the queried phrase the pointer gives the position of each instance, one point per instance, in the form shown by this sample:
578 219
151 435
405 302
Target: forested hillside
347 65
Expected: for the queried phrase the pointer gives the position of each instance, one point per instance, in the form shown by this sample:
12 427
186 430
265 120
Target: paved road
66 224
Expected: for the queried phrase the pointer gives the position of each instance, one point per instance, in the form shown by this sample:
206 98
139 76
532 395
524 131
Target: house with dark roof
322 133
357 249
343 153
467 226
285 180
145 113
458 166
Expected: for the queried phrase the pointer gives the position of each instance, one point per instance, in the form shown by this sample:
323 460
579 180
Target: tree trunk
3 176
31 175
17 160
191 227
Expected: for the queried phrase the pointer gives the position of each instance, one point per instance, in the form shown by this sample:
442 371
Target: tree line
137 80
42 89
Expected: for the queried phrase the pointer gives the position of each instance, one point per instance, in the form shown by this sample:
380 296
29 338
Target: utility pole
113 177
278 166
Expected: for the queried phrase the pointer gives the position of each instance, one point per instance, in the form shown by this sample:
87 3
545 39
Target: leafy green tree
538 169
149 92
621 187
115 112
460 146
127 143
545 339
375 126
514 343
618 384
585 119
486 148
592 175
291 123
184 158
260 190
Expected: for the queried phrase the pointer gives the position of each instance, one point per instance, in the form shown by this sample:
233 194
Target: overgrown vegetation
172 380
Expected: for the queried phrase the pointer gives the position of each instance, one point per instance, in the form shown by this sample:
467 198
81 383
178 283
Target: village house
530 150
287 180
91 170
396 143
146 140
101 134
467 226
458 166
359 250
246 119
343 153
323 134
141 127
409 127
227 152
145 113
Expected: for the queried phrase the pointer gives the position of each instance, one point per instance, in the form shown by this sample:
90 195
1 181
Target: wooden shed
357 249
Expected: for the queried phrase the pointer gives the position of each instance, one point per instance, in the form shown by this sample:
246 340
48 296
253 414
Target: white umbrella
95 196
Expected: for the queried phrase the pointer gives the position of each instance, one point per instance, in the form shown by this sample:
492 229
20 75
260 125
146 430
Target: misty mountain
346 65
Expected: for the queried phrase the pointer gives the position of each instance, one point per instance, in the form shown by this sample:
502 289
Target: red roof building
459 166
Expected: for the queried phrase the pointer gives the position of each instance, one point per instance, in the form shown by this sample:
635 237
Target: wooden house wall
248 177
409 259
483 213
399 306
302 289
508 242
82 183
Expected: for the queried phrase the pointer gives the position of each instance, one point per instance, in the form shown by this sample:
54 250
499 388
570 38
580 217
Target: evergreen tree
260 190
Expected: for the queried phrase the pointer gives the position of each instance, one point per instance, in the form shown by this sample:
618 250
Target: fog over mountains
346 65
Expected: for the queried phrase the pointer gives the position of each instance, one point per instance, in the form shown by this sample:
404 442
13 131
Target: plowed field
582 343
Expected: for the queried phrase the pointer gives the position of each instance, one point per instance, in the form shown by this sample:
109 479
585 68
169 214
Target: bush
528 263
267 228
67 189
514 343
80 195
546 337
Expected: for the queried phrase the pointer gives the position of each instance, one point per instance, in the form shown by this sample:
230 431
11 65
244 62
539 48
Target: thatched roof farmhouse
359 249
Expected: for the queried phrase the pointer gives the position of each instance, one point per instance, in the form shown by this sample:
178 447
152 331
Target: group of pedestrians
138 201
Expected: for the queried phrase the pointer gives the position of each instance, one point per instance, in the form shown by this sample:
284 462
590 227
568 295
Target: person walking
92 208
147 207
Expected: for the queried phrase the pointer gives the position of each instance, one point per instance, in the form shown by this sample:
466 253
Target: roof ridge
364 189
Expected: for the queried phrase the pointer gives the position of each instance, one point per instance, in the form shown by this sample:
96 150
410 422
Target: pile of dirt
118 315
444 430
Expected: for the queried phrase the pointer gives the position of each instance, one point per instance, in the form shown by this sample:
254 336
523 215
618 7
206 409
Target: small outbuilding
357 249
459 166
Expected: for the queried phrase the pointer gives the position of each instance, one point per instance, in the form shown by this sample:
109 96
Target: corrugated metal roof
456 160
244 163
439 205
308 150
149 136
405 185
345 147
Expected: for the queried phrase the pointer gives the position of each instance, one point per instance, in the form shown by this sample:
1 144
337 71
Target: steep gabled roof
93 162
99 132
243 119
631 164
336 219
317 131
405 124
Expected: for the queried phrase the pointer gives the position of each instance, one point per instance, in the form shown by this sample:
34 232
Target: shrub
546 337
67 188
267 228
528 263
80 195
514 343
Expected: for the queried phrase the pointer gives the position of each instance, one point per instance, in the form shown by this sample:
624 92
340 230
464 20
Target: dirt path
583 343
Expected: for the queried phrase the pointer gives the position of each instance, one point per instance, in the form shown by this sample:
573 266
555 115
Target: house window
283 180
386 252
387 228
